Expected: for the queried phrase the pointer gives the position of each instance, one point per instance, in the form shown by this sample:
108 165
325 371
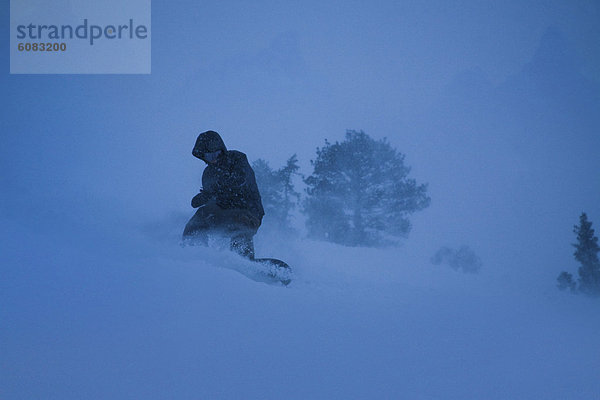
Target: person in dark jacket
229 202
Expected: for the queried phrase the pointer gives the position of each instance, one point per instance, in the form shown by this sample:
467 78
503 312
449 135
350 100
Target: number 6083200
42 47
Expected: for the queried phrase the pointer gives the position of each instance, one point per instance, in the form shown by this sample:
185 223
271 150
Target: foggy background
495 105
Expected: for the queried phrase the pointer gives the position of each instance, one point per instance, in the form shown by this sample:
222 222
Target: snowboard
273 270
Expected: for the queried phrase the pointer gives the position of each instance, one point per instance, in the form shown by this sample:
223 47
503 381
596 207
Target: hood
208 142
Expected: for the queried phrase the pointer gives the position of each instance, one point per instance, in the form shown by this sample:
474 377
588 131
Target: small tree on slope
586 253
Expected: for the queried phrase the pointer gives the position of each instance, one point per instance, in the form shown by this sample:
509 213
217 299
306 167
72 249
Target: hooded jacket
230 180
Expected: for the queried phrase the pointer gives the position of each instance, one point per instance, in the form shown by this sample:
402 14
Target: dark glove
200 199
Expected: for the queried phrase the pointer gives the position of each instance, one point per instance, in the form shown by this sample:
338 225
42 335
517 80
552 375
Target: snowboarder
229 202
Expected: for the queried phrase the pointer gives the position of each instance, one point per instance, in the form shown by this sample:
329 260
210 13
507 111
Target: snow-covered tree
359 193
586 253
277 191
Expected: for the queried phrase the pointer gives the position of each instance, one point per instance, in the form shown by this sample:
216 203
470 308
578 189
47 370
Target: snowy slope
96 305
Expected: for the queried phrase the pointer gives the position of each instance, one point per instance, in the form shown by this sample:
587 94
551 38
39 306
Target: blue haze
495 106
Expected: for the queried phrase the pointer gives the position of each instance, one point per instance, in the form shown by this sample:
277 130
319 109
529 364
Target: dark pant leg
240 226
237 224
243 244
201 223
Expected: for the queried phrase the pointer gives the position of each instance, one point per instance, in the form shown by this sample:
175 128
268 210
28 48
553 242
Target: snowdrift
98 305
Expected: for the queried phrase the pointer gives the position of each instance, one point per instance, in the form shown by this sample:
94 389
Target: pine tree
359 193
277 191
290 196
268 185
586 252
